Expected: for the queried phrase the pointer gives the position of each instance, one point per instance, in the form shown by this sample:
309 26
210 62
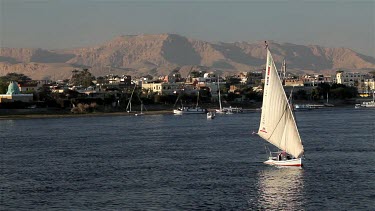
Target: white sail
277 124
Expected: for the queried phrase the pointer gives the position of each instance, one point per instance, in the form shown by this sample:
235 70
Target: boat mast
129 106
218 87
142 106
197 99
182 89
283 72
290 100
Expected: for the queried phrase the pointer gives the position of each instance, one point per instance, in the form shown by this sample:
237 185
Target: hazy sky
75 23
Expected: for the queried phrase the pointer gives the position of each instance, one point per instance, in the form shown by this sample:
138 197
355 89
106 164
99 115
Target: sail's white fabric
277 123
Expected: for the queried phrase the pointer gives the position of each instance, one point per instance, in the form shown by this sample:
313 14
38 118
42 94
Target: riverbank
70 115
40 113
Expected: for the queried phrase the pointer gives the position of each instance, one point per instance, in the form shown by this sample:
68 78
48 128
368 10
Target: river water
166 162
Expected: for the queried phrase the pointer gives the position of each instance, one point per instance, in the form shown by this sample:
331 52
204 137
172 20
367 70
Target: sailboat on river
188 110
277 122
220 110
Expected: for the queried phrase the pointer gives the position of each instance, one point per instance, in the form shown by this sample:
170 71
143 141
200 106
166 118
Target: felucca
277 122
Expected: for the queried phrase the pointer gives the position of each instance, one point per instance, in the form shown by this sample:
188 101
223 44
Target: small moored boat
211 115
188 110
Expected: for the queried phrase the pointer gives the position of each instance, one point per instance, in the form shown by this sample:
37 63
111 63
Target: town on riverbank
86 95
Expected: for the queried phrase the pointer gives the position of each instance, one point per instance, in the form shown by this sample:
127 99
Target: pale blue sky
75 23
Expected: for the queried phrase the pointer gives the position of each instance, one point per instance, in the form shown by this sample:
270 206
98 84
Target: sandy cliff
159 53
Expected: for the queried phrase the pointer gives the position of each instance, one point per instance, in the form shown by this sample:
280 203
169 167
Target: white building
367 86
350 79
164 88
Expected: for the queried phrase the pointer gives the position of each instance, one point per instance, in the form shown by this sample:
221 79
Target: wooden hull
291 162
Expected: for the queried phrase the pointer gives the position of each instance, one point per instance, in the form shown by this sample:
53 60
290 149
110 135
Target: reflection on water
280 189
7 123
172 162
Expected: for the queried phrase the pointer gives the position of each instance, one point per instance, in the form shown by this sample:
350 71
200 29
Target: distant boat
140 114
308 106
302 107
298 107
277 124
225 110
211 115
129 106
220 110
368 104
228 112
231 109
188 110
327 104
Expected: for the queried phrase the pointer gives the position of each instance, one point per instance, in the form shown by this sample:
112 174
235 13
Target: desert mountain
158 54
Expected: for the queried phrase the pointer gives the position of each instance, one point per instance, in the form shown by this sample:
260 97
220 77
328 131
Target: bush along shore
154 109
28 113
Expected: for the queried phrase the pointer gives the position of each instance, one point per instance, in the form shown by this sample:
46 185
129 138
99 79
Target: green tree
15 77
341 91
82 78
301 95
100 80
324 88
251 94
3 87
233 80
4 80
315 94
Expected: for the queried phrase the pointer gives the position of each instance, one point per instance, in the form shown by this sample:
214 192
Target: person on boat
283 156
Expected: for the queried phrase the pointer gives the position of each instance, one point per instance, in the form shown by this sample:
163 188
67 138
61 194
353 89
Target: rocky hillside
160 53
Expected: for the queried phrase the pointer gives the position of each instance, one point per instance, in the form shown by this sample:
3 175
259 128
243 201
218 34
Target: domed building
13 89
13 94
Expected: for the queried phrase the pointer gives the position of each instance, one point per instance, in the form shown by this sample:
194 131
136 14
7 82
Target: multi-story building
293 82
164 88
350 79
32 85
28 86
370 83
367 87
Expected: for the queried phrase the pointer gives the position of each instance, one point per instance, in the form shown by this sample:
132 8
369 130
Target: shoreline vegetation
71 115
66 114
156 109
